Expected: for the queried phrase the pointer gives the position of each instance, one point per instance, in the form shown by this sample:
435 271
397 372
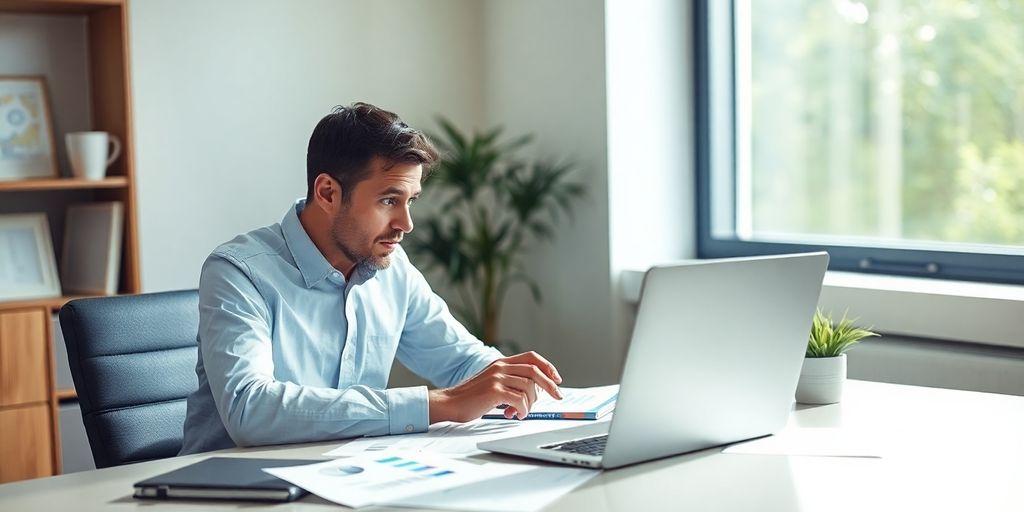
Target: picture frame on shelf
91 257
27 148
27 266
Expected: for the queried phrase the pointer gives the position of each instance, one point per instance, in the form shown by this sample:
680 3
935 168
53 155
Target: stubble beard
344 233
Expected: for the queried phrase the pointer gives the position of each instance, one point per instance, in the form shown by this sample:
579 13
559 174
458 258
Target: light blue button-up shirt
290 351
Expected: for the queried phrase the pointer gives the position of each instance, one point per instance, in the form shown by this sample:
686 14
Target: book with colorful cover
576 404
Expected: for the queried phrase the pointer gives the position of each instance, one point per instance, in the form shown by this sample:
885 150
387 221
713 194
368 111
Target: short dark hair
344 142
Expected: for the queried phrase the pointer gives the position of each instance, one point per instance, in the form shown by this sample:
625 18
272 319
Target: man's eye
412 200
390 201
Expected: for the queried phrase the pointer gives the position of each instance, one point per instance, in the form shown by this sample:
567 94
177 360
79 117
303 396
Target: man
299 322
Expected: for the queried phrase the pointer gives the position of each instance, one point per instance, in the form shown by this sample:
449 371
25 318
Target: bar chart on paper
416 470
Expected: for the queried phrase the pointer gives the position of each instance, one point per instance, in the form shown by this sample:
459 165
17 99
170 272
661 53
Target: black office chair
133 361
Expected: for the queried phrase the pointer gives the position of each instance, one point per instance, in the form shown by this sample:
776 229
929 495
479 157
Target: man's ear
327 193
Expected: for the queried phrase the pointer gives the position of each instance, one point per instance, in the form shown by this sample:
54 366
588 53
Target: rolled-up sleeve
235 333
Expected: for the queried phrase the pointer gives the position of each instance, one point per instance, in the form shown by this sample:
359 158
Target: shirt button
409 428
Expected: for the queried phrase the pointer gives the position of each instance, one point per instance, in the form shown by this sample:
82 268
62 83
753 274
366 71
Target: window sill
991 314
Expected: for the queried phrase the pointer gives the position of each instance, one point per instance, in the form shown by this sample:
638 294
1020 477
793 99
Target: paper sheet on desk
390 475
521 492
454 439
818 442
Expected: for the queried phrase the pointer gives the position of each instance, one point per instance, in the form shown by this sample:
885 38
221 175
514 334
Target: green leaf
456 139
828 339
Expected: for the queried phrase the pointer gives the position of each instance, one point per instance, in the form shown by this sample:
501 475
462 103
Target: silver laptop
715 356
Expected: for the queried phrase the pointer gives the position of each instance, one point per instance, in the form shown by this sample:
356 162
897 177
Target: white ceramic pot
821 380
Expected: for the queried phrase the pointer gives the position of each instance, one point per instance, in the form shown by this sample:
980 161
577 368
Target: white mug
91 153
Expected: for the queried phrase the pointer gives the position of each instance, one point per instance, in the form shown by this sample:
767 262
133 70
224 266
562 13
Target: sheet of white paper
574 400
819 442
387 476
522 492
454 439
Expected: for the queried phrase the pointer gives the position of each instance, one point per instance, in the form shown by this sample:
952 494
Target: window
890 133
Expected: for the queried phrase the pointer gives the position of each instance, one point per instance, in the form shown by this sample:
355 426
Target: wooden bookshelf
29 398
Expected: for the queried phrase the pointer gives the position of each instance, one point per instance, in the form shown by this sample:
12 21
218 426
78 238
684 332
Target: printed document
453 439
528 491
388 476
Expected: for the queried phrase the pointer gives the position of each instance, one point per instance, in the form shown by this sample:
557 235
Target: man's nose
403 221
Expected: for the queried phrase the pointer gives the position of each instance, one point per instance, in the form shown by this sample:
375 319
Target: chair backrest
133 361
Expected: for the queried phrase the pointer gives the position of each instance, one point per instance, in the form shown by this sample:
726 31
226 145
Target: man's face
369 227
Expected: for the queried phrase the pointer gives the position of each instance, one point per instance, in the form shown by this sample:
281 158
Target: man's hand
512 380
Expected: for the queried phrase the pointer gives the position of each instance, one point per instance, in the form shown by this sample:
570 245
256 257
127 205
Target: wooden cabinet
24 367
87 74
32 454
28 405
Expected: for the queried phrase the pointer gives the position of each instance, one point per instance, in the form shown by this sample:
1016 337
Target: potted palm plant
494 206
824 369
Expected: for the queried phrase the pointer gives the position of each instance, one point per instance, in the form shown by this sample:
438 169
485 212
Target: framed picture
91 259
27 148
27 266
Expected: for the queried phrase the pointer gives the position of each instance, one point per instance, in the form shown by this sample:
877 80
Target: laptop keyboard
586 446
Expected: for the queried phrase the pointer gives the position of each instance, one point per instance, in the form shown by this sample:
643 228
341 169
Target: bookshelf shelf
66 394
63 184
57 6
52 303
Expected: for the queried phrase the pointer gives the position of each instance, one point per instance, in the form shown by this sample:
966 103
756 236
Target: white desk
946 450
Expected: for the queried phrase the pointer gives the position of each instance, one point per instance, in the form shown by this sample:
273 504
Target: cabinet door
24 368
26 448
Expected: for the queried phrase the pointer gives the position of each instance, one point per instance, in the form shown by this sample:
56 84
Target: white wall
650 132
229 156
607 85
651 199
544 73
222 118
226 94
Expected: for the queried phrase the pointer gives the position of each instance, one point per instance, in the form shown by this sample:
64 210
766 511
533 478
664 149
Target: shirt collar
311 262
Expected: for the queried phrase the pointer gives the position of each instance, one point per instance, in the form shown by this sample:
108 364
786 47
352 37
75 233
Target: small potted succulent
824 370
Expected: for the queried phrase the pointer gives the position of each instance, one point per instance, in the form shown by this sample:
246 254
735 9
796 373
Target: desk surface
945 450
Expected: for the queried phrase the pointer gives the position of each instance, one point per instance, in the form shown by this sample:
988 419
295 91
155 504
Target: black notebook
224 478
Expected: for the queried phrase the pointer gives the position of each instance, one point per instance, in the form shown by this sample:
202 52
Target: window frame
715 160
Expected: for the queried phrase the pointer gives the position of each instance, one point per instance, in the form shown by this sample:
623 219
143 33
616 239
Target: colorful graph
415 467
